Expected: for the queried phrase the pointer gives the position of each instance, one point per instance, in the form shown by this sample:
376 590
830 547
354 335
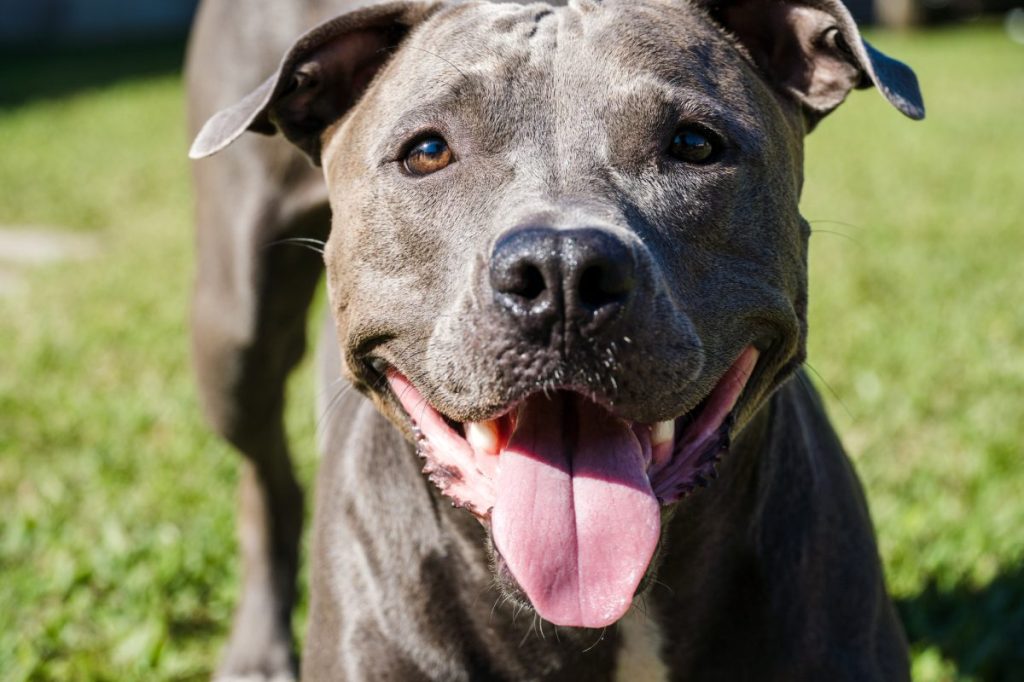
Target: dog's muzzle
572 492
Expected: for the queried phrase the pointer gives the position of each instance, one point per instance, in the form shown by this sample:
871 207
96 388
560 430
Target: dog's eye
693 145
427 156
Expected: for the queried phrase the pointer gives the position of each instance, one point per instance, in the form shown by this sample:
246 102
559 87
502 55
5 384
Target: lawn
117 547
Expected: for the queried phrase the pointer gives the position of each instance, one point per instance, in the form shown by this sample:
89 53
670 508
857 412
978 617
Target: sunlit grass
918 324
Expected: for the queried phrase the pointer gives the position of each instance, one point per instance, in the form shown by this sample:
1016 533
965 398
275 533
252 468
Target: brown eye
693 145
428 156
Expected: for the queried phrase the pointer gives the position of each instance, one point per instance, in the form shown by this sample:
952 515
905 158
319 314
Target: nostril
602 284
529 283
524 267
522 279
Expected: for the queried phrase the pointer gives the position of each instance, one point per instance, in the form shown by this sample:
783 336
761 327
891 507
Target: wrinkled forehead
503 59
631 34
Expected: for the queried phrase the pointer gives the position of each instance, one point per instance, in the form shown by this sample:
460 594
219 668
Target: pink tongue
575 518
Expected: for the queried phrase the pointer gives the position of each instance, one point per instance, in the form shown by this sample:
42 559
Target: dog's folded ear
319 79
812 51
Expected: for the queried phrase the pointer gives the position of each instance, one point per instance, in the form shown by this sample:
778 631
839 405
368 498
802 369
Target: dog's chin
570 492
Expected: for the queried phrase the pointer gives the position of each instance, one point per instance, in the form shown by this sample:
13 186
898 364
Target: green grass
117 548
917 324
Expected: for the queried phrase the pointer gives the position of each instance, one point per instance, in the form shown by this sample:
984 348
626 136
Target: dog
567 277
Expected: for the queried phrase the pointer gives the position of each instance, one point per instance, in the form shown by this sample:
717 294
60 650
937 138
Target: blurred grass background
117 545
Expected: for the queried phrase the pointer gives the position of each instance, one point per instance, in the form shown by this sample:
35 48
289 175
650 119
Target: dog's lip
378 367
383 369
713 441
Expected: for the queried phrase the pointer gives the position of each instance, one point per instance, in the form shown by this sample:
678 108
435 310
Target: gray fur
558 116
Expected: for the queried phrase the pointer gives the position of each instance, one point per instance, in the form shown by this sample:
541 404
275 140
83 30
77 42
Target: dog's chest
639 658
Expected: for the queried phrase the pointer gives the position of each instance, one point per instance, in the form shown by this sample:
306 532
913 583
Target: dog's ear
319 79
812 51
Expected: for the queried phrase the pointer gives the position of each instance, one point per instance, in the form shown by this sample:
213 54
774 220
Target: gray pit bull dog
567 275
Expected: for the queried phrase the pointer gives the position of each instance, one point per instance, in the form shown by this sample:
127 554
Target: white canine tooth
663 432
483 436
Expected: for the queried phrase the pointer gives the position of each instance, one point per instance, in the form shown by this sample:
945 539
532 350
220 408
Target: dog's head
567 257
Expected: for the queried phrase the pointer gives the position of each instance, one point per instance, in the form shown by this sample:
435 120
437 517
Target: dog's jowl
567 277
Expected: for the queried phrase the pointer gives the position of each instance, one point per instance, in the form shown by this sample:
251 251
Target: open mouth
572 492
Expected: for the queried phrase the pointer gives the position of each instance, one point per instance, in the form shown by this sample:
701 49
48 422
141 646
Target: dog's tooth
483 436
663 432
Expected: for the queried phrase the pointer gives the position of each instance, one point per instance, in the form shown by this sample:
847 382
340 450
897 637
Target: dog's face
567 258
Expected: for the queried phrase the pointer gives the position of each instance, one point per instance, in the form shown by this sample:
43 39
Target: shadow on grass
32 73
981 630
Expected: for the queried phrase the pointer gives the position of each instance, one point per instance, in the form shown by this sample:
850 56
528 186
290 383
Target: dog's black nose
581 276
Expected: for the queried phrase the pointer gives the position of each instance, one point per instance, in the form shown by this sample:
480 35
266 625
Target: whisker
830 389
655 581
315 245
526 635
641 606
835 222
321 423
420 49
597 641
838 234
501 599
